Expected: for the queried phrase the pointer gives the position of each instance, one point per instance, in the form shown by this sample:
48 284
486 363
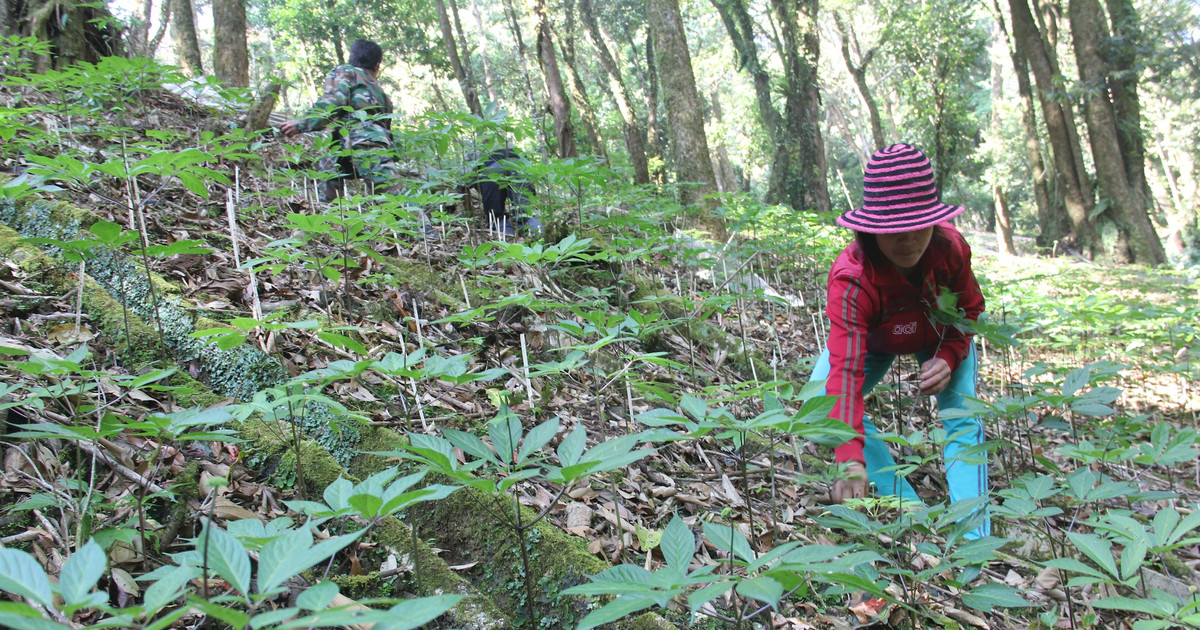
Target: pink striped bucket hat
899 194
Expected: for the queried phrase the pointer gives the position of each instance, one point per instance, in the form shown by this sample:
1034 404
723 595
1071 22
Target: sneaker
529 226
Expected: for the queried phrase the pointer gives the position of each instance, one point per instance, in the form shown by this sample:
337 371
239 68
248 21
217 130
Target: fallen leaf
125 581
63 334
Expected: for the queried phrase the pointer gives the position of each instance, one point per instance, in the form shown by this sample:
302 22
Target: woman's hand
852 486
935 376
290 128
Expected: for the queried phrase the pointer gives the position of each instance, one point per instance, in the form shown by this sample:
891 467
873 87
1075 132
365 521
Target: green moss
465 522
361 586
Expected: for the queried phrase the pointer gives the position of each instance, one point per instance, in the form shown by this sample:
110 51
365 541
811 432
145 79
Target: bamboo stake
420 407
466 296
525 368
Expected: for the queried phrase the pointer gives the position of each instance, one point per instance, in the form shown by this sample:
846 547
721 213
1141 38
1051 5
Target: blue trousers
967 477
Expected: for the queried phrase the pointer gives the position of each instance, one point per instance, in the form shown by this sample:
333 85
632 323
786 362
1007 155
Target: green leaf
537 437
701 596
80 573
1148 606
193 183
317 597
678 544
622 606
278 559
168 587
505 430
471 445
994 595
21 574
763 589
729 539
235 618
1097 549
570 449
343 342
227 558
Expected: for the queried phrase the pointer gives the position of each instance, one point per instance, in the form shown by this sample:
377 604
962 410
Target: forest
230 398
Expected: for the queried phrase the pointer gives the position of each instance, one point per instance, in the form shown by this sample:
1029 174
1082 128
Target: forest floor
598 325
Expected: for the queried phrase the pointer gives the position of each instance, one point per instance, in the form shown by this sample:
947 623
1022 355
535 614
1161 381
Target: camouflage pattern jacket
357 104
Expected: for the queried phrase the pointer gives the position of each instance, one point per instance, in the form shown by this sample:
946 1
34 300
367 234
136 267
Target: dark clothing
500 187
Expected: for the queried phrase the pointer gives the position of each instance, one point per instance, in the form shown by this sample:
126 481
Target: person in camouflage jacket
358 109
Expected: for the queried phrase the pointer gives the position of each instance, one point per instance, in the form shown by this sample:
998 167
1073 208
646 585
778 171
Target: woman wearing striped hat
883 289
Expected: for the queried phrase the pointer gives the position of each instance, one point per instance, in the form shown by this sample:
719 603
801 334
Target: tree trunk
183 32
578 91
859 74
488 83
801 149
689 144
1137 241
1052 222
727 179
1004 230
460 72
231 61
137 36
564 130
740 28
535 112
77 32
634 141
1058 123
655 139
259 116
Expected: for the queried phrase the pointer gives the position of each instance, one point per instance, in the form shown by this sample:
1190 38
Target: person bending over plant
883 300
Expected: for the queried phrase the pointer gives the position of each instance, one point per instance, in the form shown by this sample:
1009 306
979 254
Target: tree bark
183 32
578 90
488 83
460 72
560 107
137 36
231 60
1137 240
740 28
1004 229
1071 180
634 140
655 139
804 187
535 112
689 144
1053 225
77 32
859 74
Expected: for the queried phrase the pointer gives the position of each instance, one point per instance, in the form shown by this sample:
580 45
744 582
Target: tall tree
858 71
231 59
460 71
634 139
1053 223
183 33
1000 209
488 82
578 89
1137 239
514 25
689 144
1059 122
560 107
804 187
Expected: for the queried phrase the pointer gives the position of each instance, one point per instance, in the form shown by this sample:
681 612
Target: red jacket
875 308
